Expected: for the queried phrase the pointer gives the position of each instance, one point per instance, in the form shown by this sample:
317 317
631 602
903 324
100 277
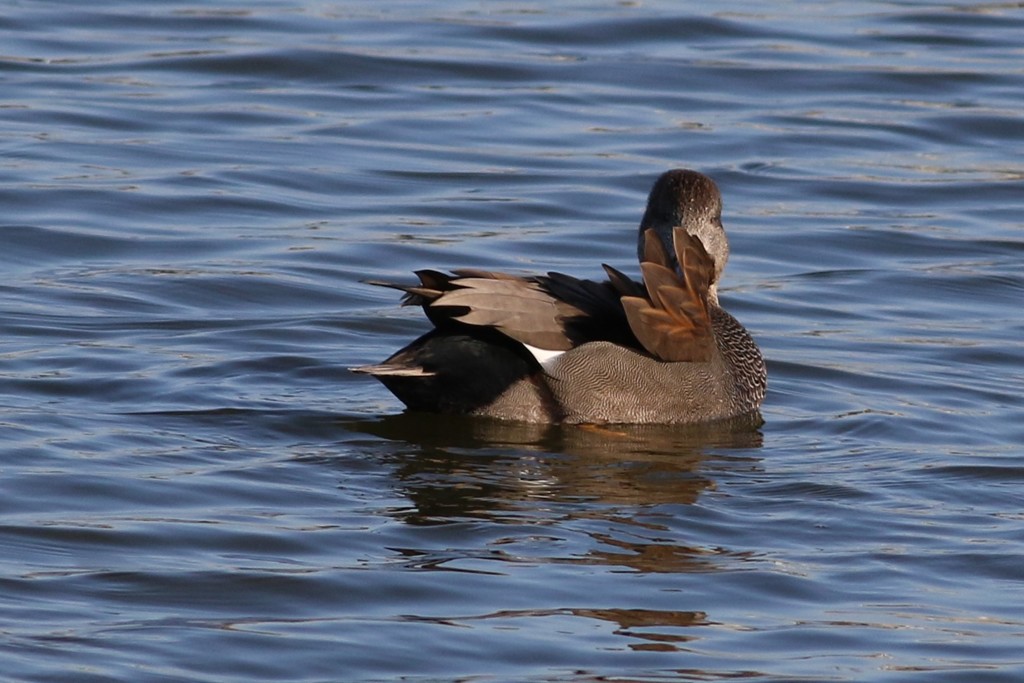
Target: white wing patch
543 356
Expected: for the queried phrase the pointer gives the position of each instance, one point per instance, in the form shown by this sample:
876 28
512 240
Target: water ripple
195 487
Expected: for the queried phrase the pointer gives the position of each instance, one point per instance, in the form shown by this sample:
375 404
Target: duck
559 349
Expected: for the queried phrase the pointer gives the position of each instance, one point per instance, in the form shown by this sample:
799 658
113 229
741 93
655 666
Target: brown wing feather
432 284
698 267
654 250
688 310
554 312
673 323
656 278
622 284
434 279
484 274
517 307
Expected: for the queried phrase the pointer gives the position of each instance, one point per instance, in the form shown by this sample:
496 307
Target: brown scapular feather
517 307
673 323
654 250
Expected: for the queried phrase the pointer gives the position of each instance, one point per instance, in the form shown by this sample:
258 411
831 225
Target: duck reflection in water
454 467
605 498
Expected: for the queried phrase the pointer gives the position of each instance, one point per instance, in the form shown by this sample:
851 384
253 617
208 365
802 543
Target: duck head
690 200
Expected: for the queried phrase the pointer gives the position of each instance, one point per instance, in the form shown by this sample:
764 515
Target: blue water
193 486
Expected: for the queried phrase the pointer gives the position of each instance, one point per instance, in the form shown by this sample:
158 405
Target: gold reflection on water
629 622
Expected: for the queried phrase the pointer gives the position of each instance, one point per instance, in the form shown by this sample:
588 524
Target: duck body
559 349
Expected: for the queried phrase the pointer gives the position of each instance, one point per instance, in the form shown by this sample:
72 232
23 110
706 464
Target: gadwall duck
557 349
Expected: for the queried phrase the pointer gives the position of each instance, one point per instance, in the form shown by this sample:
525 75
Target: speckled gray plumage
661 351
601 382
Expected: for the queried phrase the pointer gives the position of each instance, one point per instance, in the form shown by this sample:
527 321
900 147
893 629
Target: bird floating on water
558 349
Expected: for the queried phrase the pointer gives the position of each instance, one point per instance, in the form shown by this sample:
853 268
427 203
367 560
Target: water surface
195 488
